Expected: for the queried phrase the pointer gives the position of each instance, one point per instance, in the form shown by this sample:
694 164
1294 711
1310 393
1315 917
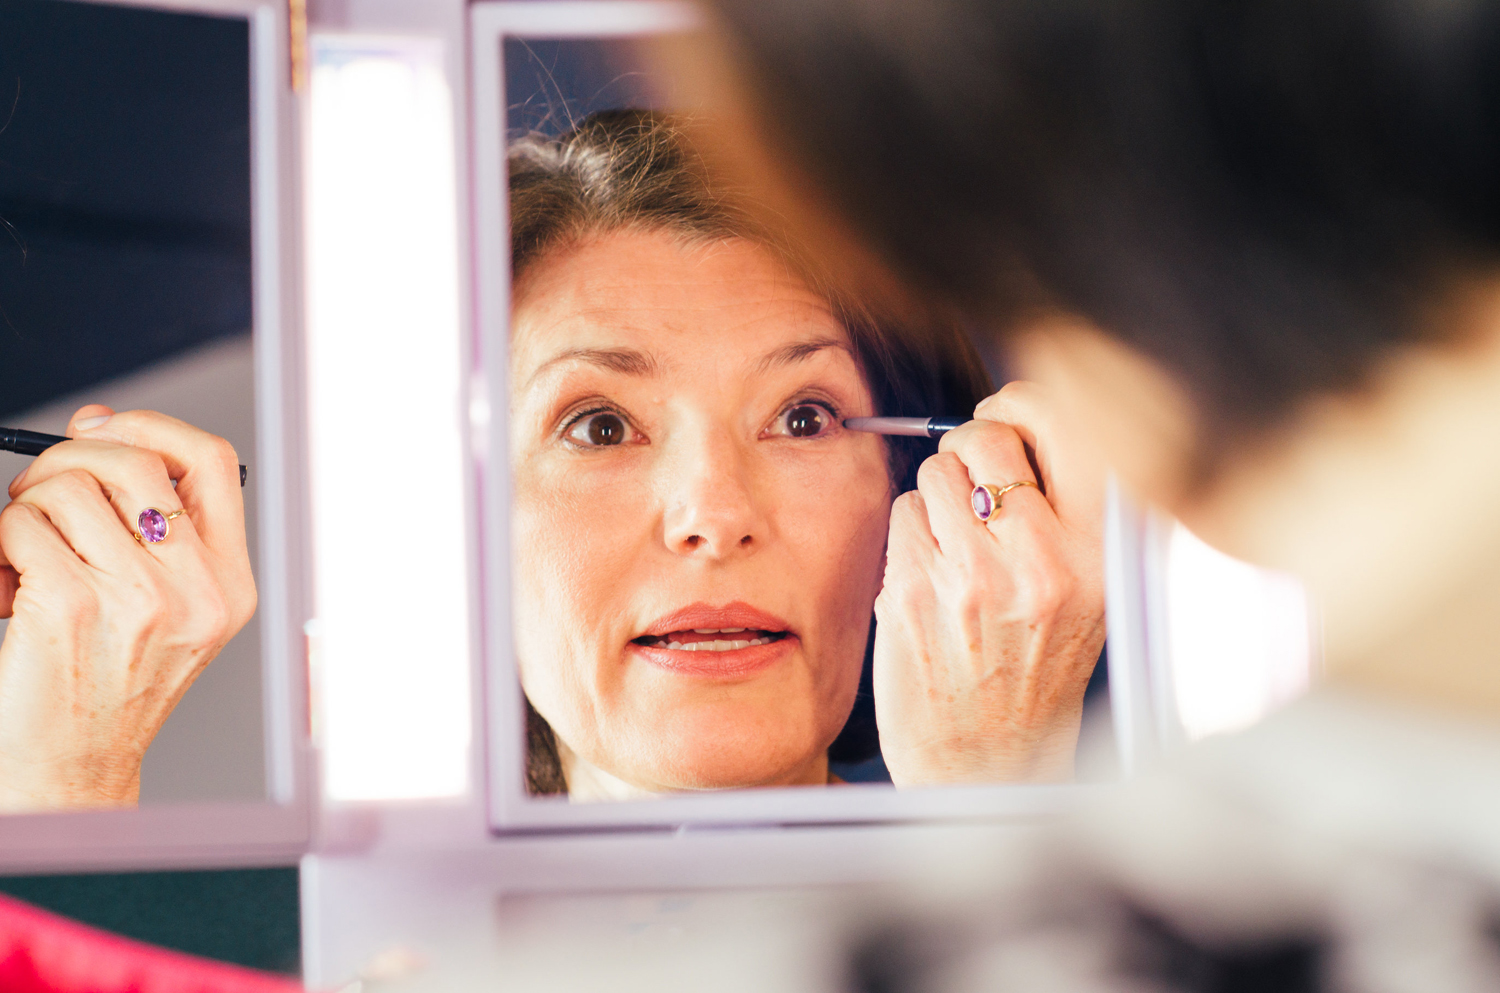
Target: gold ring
151 525
986 499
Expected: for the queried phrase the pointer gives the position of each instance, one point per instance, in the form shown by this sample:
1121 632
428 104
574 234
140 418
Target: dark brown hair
1265 196
635 169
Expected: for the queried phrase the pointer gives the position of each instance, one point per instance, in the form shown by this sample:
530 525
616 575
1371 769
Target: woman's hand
988 632
106 632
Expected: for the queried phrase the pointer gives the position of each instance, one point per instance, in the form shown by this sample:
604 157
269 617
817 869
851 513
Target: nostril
744 541
694 541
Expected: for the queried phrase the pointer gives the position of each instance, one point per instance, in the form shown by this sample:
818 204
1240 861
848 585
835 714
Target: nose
712 507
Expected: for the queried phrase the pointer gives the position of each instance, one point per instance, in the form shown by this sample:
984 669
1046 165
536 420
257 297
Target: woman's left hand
988 631
106 632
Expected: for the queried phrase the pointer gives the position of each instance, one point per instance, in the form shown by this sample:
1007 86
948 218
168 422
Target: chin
713 752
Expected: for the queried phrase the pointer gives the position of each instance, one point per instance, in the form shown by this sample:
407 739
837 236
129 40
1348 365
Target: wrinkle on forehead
614 291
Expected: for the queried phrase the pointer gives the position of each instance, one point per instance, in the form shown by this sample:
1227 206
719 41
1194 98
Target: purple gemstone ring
986 499
151 526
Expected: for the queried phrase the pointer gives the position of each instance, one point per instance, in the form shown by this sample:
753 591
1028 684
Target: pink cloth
44 953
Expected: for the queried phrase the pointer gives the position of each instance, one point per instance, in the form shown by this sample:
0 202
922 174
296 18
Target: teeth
717 645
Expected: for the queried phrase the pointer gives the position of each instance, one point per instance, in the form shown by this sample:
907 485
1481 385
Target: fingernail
14 483
89 423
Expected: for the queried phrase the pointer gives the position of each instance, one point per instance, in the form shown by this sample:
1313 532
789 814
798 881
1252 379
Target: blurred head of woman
698 541
1254 246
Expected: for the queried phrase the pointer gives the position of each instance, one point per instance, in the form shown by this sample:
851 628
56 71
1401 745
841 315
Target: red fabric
44 953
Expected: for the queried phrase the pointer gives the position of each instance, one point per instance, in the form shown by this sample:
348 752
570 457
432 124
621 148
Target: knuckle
939 466
202 621
1049 591
76 481
142 462
14 517
219 453
68 488
905 510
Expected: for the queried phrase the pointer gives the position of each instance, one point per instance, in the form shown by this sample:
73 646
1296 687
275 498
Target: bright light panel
392 679
1239 637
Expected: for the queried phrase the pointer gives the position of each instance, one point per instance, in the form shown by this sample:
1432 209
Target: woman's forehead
730 301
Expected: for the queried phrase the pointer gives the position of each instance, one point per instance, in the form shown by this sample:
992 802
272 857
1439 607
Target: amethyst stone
984 504
152 525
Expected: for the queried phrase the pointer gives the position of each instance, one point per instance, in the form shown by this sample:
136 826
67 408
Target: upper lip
702 615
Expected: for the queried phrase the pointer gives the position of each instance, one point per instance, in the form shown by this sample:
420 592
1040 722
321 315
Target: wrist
1009 757
69 784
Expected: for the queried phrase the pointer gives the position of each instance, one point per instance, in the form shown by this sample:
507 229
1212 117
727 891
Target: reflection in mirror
125 280
699 540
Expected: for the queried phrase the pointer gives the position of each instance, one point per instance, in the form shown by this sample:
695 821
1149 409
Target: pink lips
730 663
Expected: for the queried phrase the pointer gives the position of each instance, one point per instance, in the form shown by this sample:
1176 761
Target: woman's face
698 541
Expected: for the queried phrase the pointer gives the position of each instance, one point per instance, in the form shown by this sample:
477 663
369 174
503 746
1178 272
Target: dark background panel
246 916
124 191
550 84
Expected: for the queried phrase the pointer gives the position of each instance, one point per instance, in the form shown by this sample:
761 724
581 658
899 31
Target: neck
1386 506
589 783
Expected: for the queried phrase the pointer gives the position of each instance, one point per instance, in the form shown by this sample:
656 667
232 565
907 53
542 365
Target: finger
132 480
1072 470
943 481
30 540
910 549
205 466
76 507
911 536
994 453
90 415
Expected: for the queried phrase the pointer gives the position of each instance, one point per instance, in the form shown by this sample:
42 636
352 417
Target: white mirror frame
275 831
510 808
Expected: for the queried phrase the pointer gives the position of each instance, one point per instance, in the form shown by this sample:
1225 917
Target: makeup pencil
35 443
913 427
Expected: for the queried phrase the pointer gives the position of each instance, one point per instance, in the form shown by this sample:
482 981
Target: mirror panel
142 267
538 74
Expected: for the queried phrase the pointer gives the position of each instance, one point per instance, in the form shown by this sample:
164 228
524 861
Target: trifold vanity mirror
150 189
151 261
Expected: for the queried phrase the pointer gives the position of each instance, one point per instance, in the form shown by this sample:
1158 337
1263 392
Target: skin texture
107 634
989 631
699 347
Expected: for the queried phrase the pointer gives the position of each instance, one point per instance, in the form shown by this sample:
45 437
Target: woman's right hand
988 631
106 633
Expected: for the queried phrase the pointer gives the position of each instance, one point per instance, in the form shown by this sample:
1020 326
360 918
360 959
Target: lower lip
735 662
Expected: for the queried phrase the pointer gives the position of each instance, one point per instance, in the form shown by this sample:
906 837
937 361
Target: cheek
835 517
577 530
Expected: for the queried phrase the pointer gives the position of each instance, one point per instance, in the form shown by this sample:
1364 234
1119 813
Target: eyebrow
627 361
797 351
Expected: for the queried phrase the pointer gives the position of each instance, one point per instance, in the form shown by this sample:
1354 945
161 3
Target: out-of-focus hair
1265 196
638 170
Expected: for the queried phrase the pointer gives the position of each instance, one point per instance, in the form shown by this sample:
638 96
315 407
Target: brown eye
806 421
598 430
